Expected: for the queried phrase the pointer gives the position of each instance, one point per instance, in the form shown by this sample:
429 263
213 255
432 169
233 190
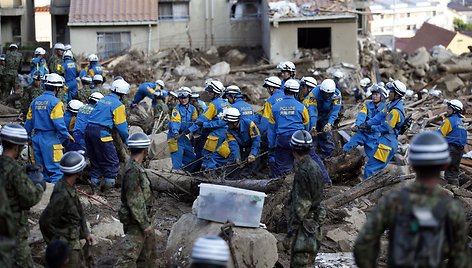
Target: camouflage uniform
159 108
29 94
64 219
2 69
22 195
7 229
84 93
367 246
55 65
10 73
306 215
135 214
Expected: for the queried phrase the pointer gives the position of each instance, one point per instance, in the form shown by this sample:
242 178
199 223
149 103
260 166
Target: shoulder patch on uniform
175 113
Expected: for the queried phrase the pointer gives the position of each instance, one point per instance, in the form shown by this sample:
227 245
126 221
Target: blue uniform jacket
46 114
454 131
244 108
389 120
39 64
369 111
267 109
92 70
247 135
71 70
146 89
288 116
81 122
209 117
109 112
69 120
321 109
182 119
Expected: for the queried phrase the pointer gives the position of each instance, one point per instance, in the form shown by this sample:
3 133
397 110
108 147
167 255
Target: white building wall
43 26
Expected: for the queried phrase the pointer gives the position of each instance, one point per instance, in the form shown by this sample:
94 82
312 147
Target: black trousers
453 170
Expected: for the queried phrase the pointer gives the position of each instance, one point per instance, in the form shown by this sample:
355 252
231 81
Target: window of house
408 15
305 38
408 27
173 10
245 9
112 43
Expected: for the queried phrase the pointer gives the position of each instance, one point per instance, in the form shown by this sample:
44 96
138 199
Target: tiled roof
41 9
103 12
428 36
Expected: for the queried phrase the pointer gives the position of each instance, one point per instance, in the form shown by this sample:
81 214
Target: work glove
327 127
313 131
35 173
251 158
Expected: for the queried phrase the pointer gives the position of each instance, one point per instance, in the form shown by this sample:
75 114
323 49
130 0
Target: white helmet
272 81
292 85
13 46
376 88
86 79
92 57
54 80
397 86
74 105
173 94
328 86
338 74
39 51
59 46
95 96
214 86
231 114
97 77
160 83
120 86
456 105
68 53
286 66
187 89
364 82
67 47
233 89
309 81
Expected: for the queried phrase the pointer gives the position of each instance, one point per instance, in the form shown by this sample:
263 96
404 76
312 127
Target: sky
41 3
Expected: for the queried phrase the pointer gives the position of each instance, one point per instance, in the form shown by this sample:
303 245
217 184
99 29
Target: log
381 179
266 66
180 182
345 166
455 68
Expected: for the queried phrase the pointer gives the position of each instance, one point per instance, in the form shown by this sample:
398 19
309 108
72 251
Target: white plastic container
222 203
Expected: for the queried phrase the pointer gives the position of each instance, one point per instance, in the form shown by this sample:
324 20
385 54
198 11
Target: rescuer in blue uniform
45 125
288 116
456 136
206 121
287 71
182 117
324 104
307 84
71 72
109 112
272 84
235 98
38 63
243 136
70 114
93 68
82 119
388 124
369 110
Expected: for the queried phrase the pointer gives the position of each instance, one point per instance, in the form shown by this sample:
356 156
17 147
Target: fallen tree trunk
345 166
163 180
455 68
380 179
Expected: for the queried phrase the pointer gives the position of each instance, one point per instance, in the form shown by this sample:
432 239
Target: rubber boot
109 183
95 183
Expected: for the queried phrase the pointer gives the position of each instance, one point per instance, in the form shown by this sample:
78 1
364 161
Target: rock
159 148
334 260
108 228
253 247
212 51
355 217
322 64
420 58
441 54
452 83
235 57
219 69
188 71
344 237
43 203
165 163
197 89
420 72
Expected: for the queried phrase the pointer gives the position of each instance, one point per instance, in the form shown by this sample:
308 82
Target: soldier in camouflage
85 91
55 61
194 100
306 214
7 229
426 226
30 93
22 192
2 68
136 204
161 111
10 73
64 218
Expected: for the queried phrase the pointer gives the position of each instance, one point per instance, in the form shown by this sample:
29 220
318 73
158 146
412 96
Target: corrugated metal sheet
112 11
